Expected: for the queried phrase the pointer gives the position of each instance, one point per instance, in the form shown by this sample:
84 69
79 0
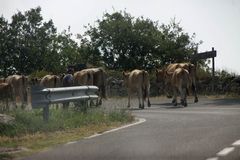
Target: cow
137 81
83 77
180 82
2 80
50 81
92 76
166 74
5 95
19 88
100 80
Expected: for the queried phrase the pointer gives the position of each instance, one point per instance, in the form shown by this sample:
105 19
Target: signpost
205 55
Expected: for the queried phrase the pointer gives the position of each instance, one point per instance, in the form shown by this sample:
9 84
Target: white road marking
71 142
92 136
214 158
140 120
236 143
225 151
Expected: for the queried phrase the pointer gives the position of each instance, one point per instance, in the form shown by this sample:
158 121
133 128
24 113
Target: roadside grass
29 133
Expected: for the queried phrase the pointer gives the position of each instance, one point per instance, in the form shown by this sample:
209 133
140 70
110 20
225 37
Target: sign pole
213 71
46 113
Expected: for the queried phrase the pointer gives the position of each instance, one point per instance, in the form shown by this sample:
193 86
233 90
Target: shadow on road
222 102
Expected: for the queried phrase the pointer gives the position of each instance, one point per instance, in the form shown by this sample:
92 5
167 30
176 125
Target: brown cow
166 75
19 88
2 80
180 82
100 80
50 81
92 76
137 81
5 95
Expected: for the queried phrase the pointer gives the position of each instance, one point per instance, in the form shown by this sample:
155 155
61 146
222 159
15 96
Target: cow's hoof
149 104
141 107
185 104
174 101
195 100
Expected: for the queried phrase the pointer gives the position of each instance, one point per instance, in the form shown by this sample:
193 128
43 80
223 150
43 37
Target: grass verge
29 133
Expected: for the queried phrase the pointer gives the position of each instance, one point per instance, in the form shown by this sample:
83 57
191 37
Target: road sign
205 55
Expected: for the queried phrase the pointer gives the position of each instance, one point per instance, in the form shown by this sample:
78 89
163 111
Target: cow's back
180 78
135 79
50 81
83 77
18 84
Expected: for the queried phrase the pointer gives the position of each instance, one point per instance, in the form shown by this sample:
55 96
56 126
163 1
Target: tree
30 41
175 44
66 51
124 42
120 42
6 59
28 44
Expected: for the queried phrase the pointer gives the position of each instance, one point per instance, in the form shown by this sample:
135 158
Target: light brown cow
137 81
50 81
5 95
180 82
83 77
166 75
19 88
92 76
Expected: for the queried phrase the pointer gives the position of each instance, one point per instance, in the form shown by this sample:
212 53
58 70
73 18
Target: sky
215 22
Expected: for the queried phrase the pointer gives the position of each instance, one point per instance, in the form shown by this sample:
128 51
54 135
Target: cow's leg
149 104
183 93
147 94
168 89
194 89
175 92
140 98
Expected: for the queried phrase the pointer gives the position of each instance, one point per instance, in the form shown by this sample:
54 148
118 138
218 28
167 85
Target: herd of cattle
177 77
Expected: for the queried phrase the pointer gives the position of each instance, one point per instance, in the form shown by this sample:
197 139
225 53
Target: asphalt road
202 131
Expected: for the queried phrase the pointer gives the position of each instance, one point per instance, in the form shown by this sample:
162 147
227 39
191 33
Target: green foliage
28 45
124 42
117 41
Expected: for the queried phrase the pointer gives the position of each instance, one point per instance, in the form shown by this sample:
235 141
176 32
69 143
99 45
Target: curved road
208 130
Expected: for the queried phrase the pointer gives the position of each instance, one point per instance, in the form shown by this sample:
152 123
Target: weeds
31 122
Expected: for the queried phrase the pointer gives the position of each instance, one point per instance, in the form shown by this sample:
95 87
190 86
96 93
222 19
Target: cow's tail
89 78
104 83
186 80
24 88
145 85
55 81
